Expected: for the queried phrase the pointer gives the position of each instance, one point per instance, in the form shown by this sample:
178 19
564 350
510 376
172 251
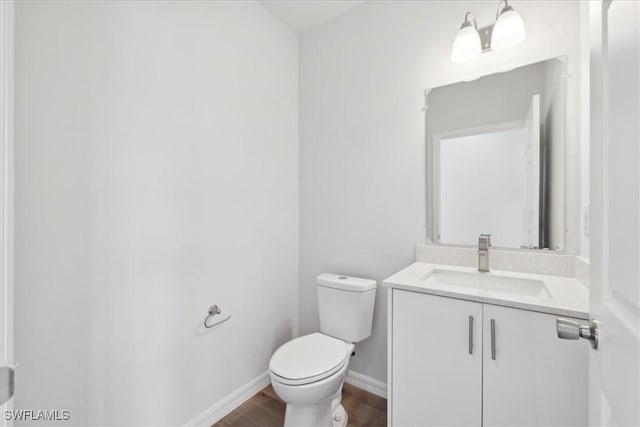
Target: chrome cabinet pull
493 339
470 334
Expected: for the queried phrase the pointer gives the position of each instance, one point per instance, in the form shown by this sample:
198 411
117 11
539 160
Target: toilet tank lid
346 283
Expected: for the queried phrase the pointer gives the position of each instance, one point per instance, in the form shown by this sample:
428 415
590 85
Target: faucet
484 243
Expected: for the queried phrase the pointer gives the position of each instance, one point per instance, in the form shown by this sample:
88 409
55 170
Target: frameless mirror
495 159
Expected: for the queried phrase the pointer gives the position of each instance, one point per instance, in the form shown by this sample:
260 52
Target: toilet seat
308 359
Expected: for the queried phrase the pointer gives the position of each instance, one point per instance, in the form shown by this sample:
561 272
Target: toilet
307 372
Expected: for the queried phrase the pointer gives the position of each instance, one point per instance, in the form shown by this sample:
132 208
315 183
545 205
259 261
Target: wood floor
265 409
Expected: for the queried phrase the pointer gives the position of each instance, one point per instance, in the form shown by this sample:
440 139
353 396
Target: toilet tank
345 305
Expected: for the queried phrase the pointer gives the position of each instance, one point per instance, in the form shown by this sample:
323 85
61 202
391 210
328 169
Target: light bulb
508 30
466 45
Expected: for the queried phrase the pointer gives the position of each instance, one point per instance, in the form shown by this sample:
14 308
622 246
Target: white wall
156 174
362 147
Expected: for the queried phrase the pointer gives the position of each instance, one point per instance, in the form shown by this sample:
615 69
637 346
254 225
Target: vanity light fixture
508 31
467 43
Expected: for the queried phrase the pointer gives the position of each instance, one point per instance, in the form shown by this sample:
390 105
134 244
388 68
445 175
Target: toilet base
315 416
340 417
329 413
318 415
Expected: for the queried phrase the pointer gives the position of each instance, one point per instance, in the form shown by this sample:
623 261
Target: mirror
495 159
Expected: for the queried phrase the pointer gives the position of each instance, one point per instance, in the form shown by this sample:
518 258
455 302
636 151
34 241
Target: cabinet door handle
493 339
470 334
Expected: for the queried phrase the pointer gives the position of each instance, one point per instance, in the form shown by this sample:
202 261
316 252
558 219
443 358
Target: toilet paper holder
214 310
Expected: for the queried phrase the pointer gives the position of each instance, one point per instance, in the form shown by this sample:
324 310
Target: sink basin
487 281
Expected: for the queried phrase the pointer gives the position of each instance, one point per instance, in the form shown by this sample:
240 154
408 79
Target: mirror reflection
495 152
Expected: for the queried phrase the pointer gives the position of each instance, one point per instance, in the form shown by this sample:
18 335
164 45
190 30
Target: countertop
566 296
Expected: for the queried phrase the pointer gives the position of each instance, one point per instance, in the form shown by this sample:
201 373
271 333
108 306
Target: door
530 377
436 361
532 207
614 375
6 205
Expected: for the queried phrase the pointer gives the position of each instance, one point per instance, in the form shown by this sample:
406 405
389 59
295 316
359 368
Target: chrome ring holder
214 311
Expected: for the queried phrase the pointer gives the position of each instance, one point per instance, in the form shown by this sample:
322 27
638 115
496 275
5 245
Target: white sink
487 281
558 295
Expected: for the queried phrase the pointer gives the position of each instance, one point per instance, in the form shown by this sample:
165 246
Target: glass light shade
466 45
508 31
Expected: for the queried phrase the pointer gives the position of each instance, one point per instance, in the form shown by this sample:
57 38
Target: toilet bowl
307 372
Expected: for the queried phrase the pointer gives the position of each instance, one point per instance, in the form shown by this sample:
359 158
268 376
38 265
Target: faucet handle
484 241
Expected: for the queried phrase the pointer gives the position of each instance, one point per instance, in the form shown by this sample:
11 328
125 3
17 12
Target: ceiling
303 15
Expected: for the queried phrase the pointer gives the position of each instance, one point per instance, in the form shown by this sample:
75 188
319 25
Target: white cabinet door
437 380
533 378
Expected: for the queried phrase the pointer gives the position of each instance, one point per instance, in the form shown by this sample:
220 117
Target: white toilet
307 372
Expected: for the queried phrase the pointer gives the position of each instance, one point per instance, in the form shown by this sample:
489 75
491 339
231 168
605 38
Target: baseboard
216 412
367 383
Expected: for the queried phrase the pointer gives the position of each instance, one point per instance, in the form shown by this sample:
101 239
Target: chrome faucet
484 243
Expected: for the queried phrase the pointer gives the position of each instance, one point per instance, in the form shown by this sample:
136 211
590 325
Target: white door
436 361
532 206
530 377
6 197
614 376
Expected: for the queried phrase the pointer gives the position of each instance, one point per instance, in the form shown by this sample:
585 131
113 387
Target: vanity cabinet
449 366
436 379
